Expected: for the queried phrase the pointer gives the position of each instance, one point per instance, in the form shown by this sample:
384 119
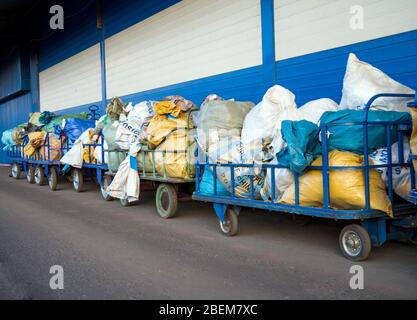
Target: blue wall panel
320 75
13 113
79 33
14 75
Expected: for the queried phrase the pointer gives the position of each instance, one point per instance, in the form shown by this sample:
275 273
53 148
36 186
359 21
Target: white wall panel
72 82
307 26
190 40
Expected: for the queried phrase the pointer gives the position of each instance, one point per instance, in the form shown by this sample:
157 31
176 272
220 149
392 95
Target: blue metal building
236 48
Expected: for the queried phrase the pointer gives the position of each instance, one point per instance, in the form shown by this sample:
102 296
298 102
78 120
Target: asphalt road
110 252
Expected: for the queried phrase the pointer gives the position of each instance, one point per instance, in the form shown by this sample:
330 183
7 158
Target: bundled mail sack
363 81
261 120
115 108
401 177
145 161
178 164
36 140
220 118
162 125
52 148
347 187
350 137
229 150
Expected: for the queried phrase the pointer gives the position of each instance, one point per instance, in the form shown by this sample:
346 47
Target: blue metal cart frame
371 227
40 165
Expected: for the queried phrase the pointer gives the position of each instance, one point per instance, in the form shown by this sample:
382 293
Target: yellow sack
176 164
162 125
167 107
347 187
89 158
36 140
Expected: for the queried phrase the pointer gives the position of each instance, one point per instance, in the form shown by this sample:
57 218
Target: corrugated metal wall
314 39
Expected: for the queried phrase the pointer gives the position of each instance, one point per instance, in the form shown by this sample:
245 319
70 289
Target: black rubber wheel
166 200
16 171
39 176
355 243
231 227
53 178
106 182
125 203
30 175
77 180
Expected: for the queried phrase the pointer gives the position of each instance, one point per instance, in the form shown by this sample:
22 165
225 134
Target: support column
268 42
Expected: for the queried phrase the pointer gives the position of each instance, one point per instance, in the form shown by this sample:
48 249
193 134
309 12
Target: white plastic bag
362 81
74 156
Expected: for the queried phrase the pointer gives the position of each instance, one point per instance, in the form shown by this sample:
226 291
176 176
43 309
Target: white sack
313 110
261 120
74 156
126 183
401 178
362 81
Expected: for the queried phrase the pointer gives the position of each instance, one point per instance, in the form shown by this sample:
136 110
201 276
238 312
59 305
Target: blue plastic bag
207 186
73 128
7 140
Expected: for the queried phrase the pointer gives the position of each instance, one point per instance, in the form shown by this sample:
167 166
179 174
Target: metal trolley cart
41 165
369 227
169 190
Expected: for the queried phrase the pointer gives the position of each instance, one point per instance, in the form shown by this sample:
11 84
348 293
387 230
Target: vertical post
268 42
100 28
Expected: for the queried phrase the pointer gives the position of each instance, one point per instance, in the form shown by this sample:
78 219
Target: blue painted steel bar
101 32
268 42
325 168
389 161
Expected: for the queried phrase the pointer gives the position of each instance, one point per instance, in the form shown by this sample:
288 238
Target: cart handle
384 95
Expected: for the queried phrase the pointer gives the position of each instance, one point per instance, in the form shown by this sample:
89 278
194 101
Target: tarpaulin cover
351 137
74 127
301 144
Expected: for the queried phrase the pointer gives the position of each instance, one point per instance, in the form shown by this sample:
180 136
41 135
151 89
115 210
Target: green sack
350 137
301 147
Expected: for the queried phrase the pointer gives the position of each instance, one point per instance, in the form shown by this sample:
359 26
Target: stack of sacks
219 128
262 138
171 129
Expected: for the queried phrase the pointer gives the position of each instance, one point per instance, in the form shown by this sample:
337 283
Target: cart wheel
52 178
231 226
106 182
30 175
166 200
77 180
16 171
125 203
355 243
39 176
